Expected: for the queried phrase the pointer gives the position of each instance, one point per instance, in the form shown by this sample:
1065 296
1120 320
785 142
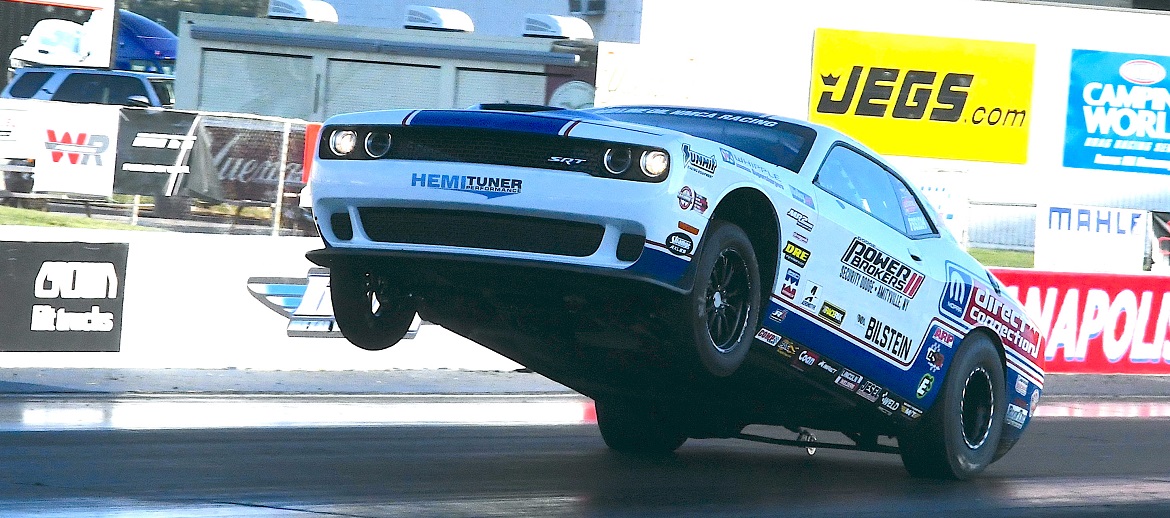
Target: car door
877 287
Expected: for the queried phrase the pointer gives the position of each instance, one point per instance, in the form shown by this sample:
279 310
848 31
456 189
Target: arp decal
791 283
890 343
796 254
832 313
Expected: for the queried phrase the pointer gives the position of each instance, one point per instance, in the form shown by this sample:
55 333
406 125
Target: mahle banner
1117 106
925 96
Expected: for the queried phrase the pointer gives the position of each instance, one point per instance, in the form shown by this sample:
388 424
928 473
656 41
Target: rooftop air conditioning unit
557 27
304 10
437 19
586 7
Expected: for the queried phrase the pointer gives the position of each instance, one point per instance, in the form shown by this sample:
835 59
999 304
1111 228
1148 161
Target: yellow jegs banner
925 96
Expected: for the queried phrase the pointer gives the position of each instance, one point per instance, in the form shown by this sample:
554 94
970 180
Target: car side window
28 84
861 182
99 88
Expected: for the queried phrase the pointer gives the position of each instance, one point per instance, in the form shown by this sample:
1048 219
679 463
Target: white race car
692 270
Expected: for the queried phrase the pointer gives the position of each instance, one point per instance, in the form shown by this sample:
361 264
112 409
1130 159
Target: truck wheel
722 310
370 310
958 438
637 428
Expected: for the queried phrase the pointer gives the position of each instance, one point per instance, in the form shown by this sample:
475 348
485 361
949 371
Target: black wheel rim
977 409
728 299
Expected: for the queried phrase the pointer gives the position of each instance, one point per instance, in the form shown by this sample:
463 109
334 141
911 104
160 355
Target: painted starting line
170 412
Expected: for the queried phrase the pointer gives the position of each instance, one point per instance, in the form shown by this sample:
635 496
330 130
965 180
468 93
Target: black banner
61 296
159 154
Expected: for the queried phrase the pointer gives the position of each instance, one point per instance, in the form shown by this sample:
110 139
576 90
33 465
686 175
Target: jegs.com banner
925 96
1097 323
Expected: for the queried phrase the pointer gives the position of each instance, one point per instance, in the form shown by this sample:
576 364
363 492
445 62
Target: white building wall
620 22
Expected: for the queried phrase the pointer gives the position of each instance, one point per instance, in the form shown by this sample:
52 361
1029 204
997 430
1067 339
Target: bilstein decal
925 96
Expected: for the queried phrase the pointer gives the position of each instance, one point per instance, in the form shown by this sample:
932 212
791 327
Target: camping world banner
1117 105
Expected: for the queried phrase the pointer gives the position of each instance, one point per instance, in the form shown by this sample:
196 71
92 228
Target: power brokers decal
925 96
62 297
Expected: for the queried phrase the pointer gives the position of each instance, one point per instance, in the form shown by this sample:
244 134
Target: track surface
69 457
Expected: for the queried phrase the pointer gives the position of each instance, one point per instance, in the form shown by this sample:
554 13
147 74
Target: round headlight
655 163
617 160
342 142
377 144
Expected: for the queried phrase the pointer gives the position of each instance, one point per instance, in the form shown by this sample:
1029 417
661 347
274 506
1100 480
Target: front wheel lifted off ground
722 310
959 436
371 309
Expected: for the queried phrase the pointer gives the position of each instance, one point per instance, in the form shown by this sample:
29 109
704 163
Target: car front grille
481 230
479 146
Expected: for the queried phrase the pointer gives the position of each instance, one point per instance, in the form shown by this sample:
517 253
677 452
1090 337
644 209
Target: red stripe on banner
1094 323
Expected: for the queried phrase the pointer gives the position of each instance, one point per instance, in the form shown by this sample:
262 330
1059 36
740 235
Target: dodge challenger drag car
693 271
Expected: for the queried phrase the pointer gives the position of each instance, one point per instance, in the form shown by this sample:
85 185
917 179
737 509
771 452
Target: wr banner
1097 323
62 296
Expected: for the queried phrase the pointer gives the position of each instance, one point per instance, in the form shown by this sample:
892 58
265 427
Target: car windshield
763 136
165 90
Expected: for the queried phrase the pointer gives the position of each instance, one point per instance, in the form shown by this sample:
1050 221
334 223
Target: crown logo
830 80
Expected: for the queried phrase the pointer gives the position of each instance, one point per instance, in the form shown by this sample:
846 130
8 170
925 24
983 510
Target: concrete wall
187 305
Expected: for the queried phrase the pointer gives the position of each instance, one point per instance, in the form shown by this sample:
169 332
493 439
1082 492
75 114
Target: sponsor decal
1016 415
849 380
889 405
791 283
827 368
806 358
832 313
1012 326
1021 386
800 237
934 358
956 293
883 268
924 386
74 280
908 95
566 160
812 296
698 162
1116 114
890 342
802 197
768 337
778 315
786 348
867 284
870 391
801 219
761 171
686 198
78 148
937 334
796 254
1034 401
679 243
490 187
910 411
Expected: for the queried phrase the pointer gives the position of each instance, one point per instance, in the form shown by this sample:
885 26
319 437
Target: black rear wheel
959 436
371 309
638 428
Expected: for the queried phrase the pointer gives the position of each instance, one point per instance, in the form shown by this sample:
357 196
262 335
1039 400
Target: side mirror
138 101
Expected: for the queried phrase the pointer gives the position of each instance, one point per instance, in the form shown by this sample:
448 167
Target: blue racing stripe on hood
508 121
